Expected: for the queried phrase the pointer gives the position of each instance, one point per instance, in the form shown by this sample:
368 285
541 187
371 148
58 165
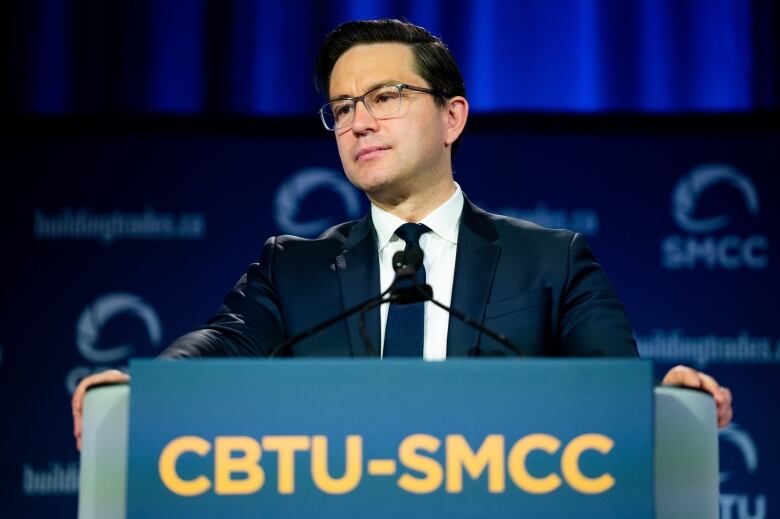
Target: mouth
370 152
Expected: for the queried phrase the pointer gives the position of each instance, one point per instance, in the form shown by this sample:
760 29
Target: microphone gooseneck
401 262
405 264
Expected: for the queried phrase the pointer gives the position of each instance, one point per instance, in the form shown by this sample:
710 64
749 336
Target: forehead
367 65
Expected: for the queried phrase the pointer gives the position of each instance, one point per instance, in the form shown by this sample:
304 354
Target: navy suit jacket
541 288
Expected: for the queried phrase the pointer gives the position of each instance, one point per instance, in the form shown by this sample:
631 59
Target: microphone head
409 260
399 258
414 257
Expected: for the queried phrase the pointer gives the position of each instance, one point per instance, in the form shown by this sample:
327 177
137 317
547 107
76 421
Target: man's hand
689 377
77 402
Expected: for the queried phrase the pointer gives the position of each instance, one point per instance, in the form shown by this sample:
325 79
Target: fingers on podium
77 401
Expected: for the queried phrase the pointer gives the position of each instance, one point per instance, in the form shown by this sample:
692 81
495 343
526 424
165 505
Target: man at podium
396 105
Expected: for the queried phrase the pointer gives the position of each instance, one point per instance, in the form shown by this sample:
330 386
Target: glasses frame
362 99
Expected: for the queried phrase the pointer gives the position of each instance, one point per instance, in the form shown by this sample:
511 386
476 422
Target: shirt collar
443 221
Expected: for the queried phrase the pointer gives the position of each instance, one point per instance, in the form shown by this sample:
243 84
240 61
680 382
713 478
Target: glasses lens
338 114
381 102
384 101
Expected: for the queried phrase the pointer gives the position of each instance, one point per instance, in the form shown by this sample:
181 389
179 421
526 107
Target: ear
455 114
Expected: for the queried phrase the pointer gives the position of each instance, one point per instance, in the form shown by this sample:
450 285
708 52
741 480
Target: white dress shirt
439 246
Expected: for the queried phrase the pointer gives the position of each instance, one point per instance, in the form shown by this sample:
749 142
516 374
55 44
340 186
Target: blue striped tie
405 330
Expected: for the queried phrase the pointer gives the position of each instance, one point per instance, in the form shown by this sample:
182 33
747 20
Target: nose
363 120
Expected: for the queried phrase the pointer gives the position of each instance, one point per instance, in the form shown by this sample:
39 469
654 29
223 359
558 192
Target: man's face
389 158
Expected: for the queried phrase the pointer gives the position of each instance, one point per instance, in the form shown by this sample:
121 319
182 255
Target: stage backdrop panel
119 237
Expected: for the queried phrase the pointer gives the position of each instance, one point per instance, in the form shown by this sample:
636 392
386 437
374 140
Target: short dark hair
433 61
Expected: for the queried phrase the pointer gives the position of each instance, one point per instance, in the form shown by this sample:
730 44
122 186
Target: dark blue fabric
256 56
405 330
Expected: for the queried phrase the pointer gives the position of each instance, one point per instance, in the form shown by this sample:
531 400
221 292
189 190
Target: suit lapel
475 266
358 267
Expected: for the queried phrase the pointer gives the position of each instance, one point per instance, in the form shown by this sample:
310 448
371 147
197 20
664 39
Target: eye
384 96
341 109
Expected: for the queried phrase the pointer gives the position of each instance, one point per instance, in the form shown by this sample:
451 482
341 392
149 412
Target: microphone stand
503 339
405 264
324 324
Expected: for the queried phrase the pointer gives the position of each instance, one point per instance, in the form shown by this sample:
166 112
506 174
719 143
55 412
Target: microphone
405 264
500 337
411 260
362 307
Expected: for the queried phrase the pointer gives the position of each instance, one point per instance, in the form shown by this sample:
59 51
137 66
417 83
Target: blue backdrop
255 56
123 230
121 236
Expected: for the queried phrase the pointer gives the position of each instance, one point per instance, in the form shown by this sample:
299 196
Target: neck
417 204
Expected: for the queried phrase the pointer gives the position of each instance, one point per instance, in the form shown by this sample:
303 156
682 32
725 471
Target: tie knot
411 232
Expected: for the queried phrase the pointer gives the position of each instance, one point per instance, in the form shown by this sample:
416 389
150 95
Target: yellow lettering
225 465
570 464
409 457
167 466
353 464
286 446
490 455
517 467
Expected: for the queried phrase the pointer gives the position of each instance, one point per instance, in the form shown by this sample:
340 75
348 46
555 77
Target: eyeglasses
381 102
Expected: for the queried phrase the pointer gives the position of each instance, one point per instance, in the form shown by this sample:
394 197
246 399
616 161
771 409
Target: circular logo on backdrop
690 187
292 193
96 315
744 443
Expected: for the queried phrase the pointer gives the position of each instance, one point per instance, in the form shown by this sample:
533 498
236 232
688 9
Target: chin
370 181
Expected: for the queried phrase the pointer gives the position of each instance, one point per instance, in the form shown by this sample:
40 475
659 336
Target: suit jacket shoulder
296 284
546 289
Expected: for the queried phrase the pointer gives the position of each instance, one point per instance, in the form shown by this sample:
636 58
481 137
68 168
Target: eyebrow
370 88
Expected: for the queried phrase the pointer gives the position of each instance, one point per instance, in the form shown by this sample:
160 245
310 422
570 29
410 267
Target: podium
357 438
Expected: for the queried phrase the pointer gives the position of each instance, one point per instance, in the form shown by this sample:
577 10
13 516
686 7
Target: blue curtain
254 57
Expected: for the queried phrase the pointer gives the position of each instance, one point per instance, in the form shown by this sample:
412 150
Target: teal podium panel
362 438
346 438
